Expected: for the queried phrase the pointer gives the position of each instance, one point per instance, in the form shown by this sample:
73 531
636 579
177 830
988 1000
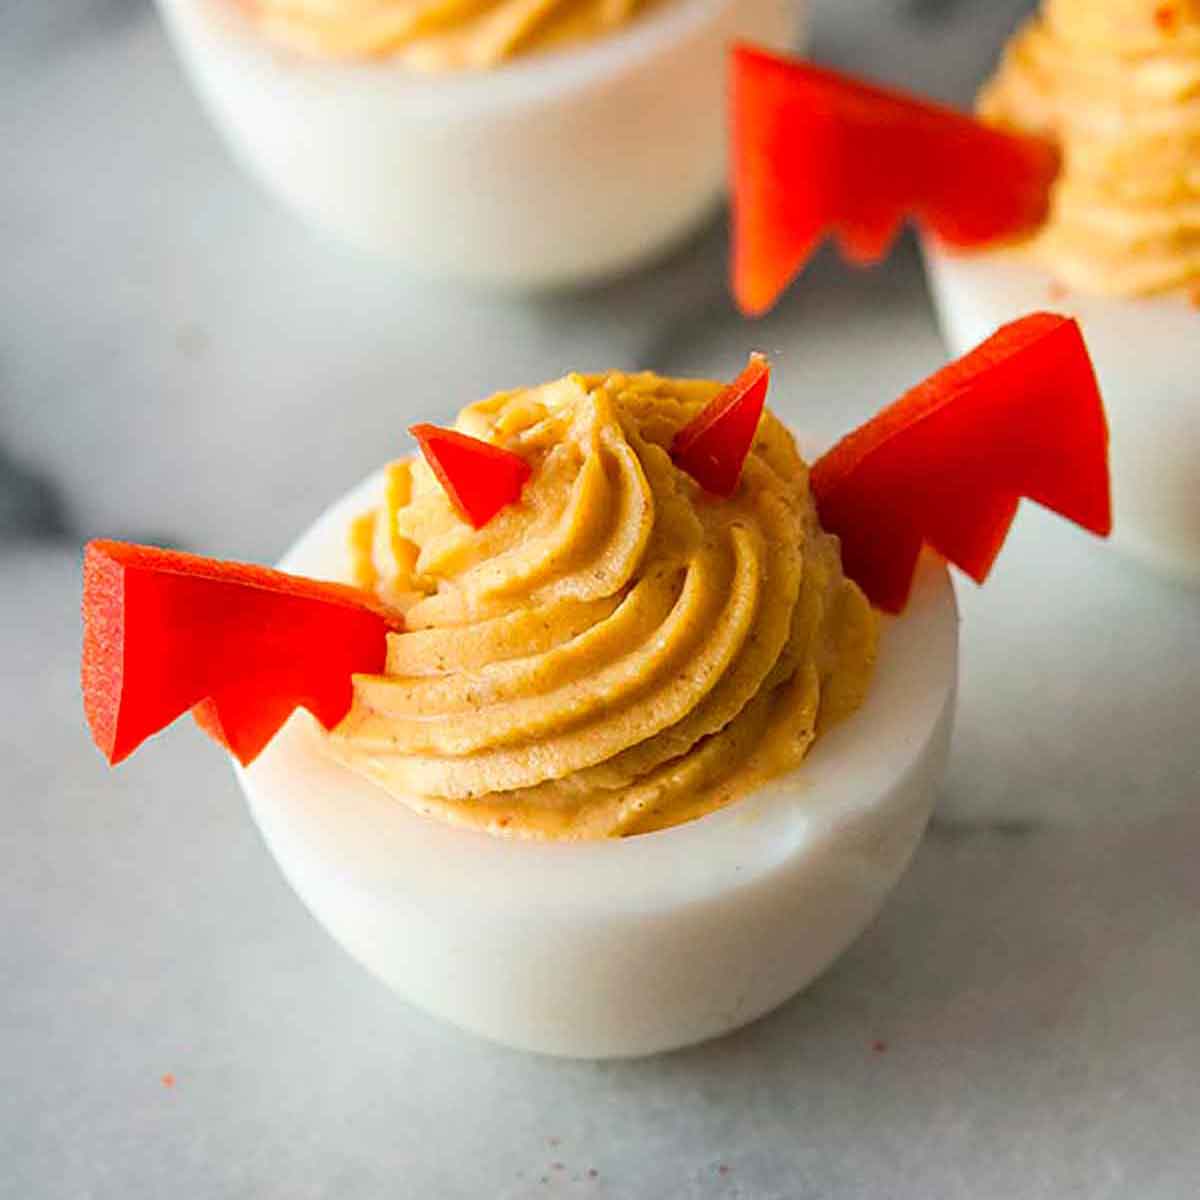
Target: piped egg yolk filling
1117 83
619 651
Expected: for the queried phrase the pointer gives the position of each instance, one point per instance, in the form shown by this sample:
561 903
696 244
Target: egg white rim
1017 278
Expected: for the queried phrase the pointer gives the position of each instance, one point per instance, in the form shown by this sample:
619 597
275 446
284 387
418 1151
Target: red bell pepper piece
479 478
946 464
712 447
242 646
816 152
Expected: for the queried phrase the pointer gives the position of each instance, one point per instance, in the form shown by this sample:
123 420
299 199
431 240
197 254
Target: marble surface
181 360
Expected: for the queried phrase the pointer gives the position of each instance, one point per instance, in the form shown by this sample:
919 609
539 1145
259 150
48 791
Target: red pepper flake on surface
879 1047
1166 17
168 1080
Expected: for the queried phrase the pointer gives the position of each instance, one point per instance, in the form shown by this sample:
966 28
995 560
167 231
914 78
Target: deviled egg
610 744
1116 83
612 946
619 654
501 143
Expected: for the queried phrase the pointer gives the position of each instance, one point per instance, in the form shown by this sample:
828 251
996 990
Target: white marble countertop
180 359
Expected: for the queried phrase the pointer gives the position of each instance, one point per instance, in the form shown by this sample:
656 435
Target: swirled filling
1117 83
619 651
437 35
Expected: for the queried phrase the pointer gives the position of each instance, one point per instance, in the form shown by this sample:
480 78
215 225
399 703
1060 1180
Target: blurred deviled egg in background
1116 84
509 142
1076 189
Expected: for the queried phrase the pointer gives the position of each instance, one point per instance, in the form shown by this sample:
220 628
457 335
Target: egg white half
1147 357
623 947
